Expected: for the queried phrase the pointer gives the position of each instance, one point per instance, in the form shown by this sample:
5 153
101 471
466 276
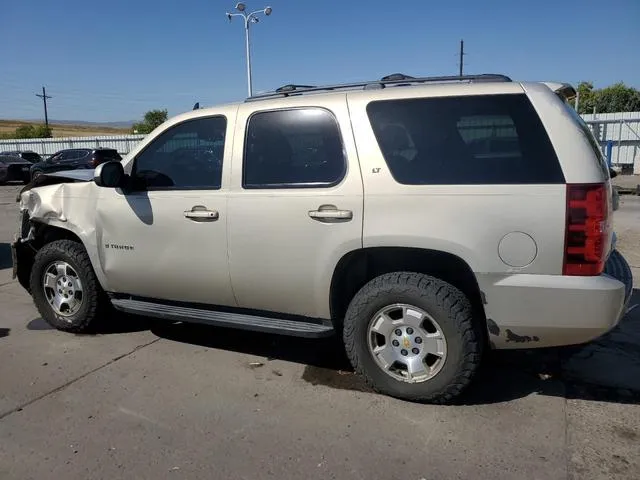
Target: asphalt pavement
148 399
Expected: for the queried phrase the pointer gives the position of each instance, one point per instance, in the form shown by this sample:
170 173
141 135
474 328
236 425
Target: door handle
202 213
330 212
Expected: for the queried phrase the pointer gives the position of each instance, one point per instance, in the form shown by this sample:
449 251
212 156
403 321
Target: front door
166 237
295 207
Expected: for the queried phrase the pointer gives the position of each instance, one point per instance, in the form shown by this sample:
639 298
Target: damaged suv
421 219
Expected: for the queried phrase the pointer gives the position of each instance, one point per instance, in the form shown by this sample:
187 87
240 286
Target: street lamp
248 19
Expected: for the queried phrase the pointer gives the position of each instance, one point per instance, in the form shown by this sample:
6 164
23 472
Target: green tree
25 131
586 97
152 119
42 131
617 98
31 131
614 98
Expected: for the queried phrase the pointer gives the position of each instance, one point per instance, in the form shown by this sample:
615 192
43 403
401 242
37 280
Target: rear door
296 204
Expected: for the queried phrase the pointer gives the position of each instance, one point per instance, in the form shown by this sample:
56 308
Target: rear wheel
35 174
412 336
65 289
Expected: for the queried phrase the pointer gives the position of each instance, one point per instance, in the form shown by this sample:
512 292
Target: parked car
423 220
28 155
13 168
72 159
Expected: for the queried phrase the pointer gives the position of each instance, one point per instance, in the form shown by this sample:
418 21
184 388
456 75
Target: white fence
619 136
46 146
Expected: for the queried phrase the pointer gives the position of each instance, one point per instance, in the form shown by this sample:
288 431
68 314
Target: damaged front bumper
22 253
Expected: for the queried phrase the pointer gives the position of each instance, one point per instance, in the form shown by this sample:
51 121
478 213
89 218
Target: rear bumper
529 311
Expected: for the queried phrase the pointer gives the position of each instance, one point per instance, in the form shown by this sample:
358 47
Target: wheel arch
43 234
358 267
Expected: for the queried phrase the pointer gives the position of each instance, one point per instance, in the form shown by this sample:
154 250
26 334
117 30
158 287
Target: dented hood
67 176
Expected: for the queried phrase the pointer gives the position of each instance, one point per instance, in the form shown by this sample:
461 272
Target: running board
298 328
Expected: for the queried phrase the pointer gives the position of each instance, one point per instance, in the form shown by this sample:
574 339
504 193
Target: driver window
186 156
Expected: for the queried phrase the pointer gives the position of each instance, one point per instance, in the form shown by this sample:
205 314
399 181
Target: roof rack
395 79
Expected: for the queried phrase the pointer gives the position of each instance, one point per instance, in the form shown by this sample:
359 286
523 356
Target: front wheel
65 288
35 175
412 336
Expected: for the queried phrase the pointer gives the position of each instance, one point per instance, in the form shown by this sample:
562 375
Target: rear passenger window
295 148
489 139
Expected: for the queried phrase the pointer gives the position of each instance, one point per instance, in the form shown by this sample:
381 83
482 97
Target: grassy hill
8 127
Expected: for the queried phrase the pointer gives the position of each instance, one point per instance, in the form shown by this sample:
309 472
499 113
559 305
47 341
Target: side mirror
612 173
109 175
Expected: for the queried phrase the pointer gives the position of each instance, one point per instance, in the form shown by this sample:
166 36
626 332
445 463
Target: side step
298 328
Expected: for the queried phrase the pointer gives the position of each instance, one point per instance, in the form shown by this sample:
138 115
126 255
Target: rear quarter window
467 140
31 156
108 155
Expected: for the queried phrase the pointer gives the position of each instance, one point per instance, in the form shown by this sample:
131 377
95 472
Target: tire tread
448 298
93 296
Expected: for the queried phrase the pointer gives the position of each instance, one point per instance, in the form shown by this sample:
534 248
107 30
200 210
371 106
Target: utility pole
461 56
44 98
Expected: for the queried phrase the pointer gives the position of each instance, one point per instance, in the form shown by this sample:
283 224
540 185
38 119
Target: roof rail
396 79
292 87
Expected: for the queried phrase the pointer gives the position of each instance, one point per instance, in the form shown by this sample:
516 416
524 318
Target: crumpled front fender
66 206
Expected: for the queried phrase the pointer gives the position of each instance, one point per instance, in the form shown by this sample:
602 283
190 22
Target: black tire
94 301
449 308
35 174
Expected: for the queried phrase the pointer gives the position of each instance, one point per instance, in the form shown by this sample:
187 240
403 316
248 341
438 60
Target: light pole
248 19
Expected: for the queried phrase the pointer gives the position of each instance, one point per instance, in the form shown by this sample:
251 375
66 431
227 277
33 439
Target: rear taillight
587 229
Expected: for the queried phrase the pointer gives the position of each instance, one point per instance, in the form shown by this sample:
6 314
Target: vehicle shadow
504 375
117 324
607 369
5 256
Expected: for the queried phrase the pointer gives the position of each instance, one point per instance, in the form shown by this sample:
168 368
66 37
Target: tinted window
490 139
69 155
187 155
107 155
31 156
293 148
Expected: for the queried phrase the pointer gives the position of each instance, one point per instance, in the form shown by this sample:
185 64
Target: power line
44 98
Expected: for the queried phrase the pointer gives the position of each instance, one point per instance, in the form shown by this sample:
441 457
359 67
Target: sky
114 60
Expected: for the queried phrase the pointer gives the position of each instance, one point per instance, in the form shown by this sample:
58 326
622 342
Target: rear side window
470 140
108 155
298 148
31 156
